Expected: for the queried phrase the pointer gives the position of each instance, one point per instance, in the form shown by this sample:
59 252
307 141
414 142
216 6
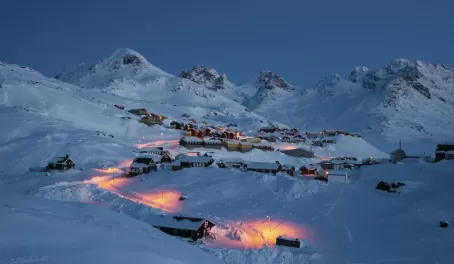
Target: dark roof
59 160
178 222
445 147
297 151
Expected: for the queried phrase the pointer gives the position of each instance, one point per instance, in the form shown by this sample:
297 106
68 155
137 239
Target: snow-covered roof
192 139
232 142
263 165
310 167
200 159
153 150
233 160
139 165
261 145
58 160
175 222
212 141
149 156
337 172
246 143
450 152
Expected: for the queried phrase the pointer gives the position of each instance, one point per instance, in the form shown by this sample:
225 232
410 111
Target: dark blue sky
301 40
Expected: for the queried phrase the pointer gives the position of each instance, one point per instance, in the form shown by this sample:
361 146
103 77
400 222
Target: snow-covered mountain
403 99
129 75
269 89
206 76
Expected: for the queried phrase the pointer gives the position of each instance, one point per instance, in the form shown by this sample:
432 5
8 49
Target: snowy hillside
44 231
93 213
404 99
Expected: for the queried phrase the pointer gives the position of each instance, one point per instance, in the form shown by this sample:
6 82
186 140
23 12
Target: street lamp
269 222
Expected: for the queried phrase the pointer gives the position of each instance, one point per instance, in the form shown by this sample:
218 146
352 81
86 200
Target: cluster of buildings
335 170
191 142
148 160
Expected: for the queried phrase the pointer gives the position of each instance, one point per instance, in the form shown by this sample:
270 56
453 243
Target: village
202 145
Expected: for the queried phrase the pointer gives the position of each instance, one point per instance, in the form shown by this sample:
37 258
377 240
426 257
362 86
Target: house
328 141
188 227
444 151
252 140
151 120
263 147
212 143
231 145
245 146
191 142
288 241
231 163
337 176
298 152
140 111
265 167
268 129
197 161
144 163
61 163
309 170
289 169
165 154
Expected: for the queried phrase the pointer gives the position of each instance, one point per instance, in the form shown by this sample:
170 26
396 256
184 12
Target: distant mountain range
404 98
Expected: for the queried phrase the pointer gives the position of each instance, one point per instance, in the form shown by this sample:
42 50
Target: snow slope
44 231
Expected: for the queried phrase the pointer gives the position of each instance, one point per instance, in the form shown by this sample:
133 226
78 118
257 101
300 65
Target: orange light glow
158 143
270 230
258 234
165 200
288 147
125 163
109 170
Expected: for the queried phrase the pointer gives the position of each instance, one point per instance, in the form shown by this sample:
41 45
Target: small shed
61 163
298 152
337 176
182 226
265 167
288 241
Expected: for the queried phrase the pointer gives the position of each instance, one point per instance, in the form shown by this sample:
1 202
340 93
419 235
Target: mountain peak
330 80
123 63
357 73
270 80
205 75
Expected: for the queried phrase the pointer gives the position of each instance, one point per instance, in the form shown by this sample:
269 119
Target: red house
309 170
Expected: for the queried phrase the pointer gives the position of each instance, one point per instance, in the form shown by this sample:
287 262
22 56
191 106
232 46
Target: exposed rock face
270 80
206 76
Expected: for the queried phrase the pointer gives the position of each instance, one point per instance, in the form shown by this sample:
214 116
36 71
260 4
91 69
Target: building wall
337 178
